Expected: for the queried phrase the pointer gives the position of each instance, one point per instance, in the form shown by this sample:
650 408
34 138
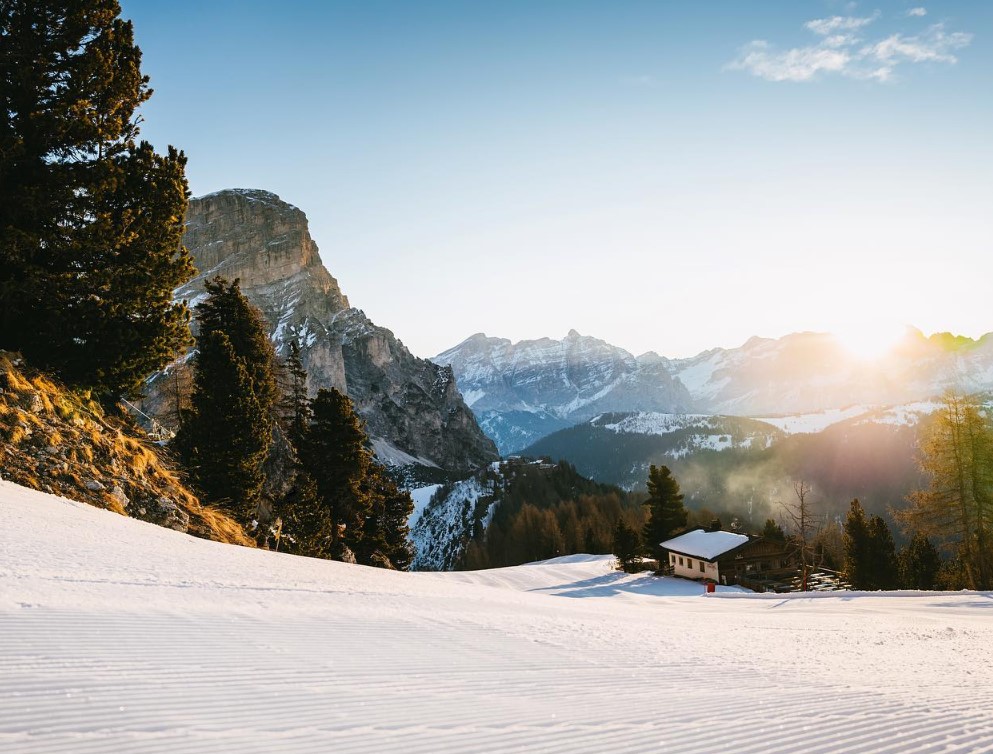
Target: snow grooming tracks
122 636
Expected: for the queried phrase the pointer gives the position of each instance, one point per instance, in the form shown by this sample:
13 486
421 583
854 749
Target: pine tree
858 560
626 544
385 535
307 526
774 531
882 554
666 512
228 430
295 405
91 220
334 453
919 564
225 439
227 310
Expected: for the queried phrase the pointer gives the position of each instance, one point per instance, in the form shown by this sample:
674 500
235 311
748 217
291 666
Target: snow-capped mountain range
523 391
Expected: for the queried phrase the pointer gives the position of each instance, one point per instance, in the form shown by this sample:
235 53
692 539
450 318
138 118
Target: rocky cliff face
412 407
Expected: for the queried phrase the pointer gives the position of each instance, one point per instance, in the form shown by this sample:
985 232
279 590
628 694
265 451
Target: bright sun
869 341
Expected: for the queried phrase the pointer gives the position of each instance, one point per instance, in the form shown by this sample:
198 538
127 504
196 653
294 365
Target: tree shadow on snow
612 584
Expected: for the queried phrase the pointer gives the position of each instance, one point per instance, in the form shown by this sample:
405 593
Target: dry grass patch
61 442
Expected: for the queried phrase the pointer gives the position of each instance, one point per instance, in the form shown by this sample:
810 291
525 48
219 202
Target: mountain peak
409 405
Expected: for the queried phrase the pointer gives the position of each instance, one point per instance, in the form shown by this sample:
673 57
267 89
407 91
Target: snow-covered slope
119 636
908 415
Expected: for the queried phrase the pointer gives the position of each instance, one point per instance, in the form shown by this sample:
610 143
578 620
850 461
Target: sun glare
869 341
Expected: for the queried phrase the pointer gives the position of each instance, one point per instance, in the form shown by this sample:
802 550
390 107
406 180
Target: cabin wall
689 568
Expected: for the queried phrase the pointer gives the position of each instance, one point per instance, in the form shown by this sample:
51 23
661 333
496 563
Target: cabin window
689 562
680 560
672 558
701 566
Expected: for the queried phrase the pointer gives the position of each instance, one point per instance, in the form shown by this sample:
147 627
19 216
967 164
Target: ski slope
118 636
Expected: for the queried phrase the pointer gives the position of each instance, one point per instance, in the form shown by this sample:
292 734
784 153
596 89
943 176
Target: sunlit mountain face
523 391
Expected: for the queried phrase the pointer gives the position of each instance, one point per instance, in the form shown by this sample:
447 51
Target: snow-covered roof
706 545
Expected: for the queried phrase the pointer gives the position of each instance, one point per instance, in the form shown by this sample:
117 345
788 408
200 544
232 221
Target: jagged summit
412 408
522 391
252 194
256 237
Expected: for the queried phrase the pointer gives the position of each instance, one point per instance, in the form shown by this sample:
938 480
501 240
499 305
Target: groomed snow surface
118 636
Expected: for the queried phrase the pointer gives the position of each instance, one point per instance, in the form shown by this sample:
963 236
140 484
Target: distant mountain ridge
805 372
523 391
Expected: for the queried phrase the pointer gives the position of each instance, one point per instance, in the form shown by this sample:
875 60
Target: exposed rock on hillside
412 408
51 440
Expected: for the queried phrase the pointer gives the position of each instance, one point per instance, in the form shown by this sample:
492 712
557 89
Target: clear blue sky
668 176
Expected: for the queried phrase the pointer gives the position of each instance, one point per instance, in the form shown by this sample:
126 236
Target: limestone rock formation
412 408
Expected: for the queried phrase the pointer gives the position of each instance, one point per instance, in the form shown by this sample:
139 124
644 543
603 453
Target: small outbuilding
723 556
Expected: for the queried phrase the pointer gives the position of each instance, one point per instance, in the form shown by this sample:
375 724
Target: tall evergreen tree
919 564
334 452
228 429
626 545
306 524
295 405
385 533
226 436
858 559
665 506
227 310
870 554
882 554
91 220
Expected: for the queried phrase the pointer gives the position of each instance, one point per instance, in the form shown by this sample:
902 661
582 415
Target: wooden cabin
723 556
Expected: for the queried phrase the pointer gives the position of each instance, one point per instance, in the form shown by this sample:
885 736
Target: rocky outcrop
54 441
412 408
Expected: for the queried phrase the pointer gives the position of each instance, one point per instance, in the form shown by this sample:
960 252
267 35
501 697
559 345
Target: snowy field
118 636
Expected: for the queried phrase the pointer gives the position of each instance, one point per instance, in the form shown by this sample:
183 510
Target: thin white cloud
917 12
826 26
841 51
799 64
934 45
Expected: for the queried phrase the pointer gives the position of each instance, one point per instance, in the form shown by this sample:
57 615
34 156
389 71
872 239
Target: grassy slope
56 441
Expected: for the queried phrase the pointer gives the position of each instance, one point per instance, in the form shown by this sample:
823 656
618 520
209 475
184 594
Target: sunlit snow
119 636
